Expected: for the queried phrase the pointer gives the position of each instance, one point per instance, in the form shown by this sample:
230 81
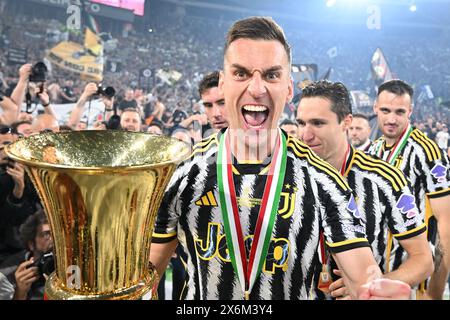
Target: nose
217 113
306 134
392 119
256 87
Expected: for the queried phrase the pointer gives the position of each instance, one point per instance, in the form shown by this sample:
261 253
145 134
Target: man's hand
24 72
385 289
24 279
337 288
89 90
17 173
44 98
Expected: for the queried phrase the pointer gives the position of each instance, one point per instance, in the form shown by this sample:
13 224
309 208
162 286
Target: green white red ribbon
249 269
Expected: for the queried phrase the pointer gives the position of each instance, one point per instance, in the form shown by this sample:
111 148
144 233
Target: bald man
44 122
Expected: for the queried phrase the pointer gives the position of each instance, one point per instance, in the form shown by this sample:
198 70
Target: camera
45 263
108 92
38 72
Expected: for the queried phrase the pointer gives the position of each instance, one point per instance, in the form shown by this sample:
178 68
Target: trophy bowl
100 191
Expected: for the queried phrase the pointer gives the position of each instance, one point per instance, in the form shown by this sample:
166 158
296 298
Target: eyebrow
264 71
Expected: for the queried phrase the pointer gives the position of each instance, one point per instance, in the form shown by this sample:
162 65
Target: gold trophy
101 191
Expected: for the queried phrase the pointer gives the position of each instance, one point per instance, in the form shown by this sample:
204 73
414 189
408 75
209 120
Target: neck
391 141
256 146
337 159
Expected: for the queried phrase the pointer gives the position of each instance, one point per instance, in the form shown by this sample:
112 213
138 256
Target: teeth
253 108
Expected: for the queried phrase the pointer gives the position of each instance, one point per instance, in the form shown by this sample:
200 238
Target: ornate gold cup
100 191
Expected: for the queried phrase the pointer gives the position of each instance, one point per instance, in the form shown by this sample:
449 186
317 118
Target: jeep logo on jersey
439 172
353 208
407 205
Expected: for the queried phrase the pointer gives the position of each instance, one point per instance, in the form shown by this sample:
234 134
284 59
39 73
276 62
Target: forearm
358 267
77 113
414 270
10 111
49 110
438 281
18 94
160 255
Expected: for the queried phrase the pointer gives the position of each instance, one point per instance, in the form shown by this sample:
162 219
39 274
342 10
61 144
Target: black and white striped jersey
427 168
314 197
386 202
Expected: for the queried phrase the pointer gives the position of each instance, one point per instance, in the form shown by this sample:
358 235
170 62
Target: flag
301 72
332 52
73 57
93 43
169 76
425 93
327 74
380 68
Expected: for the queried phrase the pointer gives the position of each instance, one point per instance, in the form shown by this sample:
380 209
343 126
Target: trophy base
54 290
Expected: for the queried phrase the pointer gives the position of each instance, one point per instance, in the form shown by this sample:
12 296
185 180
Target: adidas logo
207 200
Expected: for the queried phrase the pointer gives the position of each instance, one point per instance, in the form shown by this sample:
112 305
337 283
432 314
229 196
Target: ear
290 90
347 121
221 82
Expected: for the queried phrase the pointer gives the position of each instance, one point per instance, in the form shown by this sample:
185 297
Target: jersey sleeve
404 219
434 170
168 214
344 226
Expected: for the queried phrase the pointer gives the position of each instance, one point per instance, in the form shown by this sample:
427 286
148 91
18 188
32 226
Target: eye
272 75
240 75
300 122
317 123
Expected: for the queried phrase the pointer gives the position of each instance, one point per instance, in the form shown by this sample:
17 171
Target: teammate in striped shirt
426 166
385 198
248 205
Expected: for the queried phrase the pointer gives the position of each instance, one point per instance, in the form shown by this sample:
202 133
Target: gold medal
324 280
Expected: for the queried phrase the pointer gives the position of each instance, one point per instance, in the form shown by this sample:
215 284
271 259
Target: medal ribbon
397 148
248 270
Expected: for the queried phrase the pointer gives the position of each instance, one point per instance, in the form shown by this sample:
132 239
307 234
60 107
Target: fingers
385 289
337 284
337 272
25 264
339 293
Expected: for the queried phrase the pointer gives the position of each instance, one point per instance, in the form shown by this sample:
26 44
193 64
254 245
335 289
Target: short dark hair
257 28
361 116
29 229
157 123
397 87
335 92
288 122
211 80
15 125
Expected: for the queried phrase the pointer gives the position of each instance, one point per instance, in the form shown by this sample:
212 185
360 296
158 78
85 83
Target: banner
380 68
17 56
169 76
360 100
62 111
74 57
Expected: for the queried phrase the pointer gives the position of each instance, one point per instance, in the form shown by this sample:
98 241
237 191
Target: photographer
18 199
91 90
27 270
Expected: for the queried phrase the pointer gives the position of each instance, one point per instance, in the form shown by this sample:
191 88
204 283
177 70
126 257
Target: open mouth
255 116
